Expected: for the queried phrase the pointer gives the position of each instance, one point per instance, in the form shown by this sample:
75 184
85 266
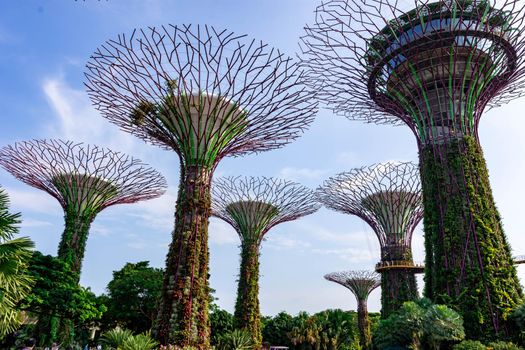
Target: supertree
205 94
435 68
388 197
361 284
84 179
253 206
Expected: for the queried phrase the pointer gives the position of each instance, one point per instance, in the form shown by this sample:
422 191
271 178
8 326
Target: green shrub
501 345
236 340
115 338
139 342
470 345
419 325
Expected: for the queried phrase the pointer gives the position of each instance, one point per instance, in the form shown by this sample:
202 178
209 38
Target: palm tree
15 283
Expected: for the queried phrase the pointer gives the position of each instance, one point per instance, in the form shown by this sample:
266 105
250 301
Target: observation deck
400 265
520 259
436 62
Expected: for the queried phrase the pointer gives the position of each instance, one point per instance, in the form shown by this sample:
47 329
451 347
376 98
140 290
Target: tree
58 301
276 329
132 296
221 322
15 253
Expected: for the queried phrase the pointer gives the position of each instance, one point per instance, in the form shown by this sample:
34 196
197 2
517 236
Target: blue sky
44 45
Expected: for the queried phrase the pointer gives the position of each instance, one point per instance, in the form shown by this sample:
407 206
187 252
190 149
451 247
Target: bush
139 342
419 325
501 345
115 338
236 340
470 345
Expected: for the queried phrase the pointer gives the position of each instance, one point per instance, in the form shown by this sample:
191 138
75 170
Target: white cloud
353 255
349 159
298 174
33 200
280 242
222 233
77 120
27 223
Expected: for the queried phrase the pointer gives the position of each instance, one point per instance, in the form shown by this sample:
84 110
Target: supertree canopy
253 206
434 67
206 94
361 284
388 197
84 179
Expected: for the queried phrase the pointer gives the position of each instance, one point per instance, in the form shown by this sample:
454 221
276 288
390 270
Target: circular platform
400 265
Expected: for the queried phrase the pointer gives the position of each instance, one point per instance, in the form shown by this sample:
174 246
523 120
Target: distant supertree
388 197
205 94
361 284
253 206
435 68
84 179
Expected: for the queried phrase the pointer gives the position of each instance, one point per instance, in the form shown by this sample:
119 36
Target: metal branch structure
205 94
253 206
361 284
84 179
388 197
434 66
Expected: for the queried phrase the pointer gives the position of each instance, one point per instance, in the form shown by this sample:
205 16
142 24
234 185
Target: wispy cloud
33 200
77 120
27 223
279 242
299 174
221 233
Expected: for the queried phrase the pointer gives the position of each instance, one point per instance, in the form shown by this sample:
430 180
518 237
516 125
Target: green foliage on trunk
72 245
183 312
397 286
468 264
247 310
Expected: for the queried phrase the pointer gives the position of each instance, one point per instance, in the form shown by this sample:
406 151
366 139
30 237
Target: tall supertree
253 206
436 68
388 197
85 179
361 284
205 94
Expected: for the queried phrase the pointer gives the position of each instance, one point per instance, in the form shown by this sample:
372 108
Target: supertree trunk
186 282
72 245
247 311
363 323
469 246
398 286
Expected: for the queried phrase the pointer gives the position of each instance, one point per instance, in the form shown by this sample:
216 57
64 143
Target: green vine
183 312
397 287
247 312
469 264
72 245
